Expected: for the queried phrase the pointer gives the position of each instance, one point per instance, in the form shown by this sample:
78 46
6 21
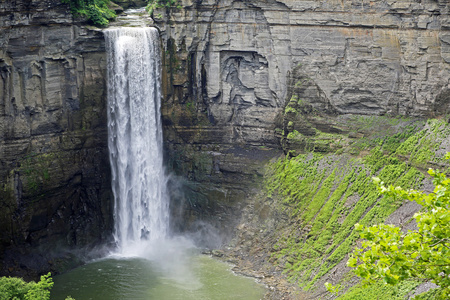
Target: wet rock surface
250 249
54 169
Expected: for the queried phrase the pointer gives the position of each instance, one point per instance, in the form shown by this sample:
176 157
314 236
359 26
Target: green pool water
197 277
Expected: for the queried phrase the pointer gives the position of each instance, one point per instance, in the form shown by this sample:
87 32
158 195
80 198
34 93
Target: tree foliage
97 11
392 255
17 289
13 288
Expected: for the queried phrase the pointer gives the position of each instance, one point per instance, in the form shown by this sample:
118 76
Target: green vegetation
325 195
35 168
379 290
327 218
154 4
293 135
96 11
13 288
290 109
424 254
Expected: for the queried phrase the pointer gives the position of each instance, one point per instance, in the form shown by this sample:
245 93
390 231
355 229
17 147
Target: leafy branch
389 254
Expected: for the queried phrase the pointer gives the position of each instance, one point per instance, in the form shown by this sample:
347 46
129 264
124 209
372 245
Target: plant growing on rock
97 11
154 4
290 109
389 254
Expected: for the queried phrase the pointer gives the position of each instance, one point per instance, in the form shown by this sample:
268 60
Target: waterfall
135 137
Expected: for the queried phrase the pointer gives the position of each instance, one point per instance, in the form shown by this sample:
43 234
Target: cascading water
135 137
165 266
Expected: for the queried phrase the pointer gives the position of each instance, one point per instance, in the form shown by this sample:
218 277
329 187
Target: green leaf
389 254
352 262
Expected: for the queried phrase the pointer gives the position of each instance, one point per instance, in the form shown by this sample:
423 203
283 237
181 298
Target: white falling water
135 138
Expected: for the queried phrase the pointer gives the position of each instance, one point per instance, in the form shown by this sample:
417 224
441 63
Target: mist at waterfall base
139 181
148 261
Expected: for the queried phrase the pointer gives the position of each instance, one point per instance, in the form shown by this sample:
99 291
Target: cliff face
239 77
242 75
364 58
304 76
54 169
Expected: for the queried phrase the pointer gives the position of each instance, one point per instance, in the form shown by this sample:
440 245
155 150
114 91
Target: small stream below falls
199 278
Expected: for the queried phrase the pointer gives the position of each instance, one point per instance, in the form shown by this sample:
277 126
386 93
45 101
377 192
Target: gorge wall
54 169
243 76
243 81
353 79
362 57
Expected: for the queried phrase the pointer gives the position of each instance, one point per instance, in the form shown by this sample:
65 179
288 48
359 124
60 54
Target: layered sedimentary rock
54 169
233 67
250 74
364 57
239 77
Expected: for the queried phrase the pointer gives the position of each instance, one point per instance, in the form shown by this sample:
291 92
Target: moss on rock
317 198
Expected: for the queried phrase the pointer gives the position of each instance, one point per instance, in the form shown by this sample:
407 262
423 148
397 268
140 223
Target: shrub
13 288
96 11
424 254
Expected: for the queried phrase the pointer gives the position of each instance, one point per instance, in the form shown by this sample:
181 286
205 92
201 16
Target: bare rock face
367 58
232 67
54 169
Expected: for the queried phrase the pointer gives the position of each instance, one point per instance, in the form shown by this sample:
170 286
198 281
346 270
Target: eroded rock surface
54 169
232 67
366 58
